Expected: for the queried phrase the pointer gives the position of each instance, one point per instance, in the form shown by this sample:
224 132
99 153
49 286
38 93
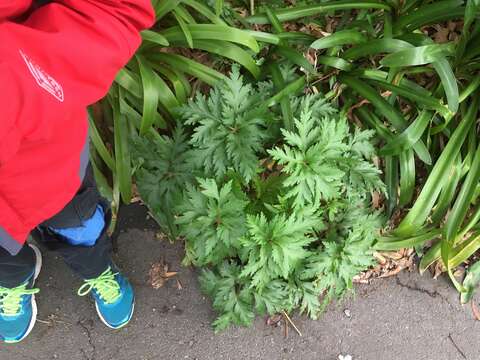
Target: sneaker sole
115 327
38 267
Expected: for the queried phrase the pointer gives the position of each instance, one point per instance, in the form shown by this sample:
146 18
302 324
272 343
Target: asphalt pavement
407 317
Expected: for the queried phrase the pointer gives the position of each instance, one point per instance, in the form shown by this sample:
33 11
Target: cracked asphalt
407 317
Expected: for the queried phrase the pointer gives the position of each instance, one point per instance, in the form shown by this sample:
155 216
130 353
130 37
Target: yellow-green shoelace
105 285
10 299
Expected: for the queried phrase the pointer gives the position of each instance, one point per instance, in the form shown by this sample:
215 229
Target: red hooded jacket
61 58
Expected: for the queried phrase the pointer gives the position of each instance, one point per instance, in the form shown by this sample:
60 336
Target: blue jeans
88 261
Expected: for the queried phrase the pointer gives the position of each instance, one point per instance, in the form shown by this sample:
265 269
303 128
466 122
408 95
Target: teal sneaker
114 298
18 309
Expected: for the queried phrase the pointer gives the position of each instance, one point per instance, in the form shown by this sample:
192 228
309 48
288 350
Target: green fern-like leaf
212 221
232 297
310 158
227 132
347 250
274 247
363 175
273 298
323 160
163 171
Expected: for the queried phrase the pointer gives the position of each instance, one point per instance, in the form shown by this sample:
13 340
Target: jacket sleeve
62 58
83 43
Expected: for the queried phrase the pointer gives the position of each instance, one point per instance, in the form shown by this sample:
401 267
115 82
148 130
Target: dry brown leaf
459 272
438 269
179 285
311 57
390 263
314 29
159 274
406 263
475 311
397 255
394 272
364 101
161 236
380 258
274 320
452 25
441 35
360 279
376 200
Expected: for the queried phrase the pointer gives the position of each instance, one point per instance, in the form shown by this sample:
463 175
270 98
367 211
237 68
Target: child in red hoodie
55 60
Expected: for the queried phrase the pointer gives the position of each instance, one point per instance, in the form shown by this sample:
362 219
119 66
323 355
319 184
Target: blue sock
86 234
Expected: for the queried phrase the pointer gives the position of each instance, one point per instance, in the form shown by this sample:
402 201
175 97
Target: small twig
52 319
456 346
291 322
364 102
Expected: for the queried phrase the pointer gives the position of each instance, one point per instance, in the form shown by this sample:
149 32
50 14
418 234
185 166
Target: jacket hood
13 8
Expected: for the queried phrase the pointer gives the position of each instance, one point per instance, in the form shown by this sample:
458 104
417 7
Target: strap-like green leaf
409 137
394 243
427 14
129 81
203 10
436 180
407 177
218 7
470 89
448 192
335 62
462 203
99 144
295 57
430 257
386 109
279 83
374 47
163 7
298 12
297 37
273 19
421 98
150 94
391 182
180 84
449 83
212 32
230 51
368 117
123 171
464 250
290 89
420 55
102 183
188 66
165 95
342 37
185 29
154 37
265 37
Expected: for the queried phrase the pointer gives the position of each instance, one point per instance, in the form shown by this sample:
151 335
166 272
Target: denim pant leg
16 269
87 261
